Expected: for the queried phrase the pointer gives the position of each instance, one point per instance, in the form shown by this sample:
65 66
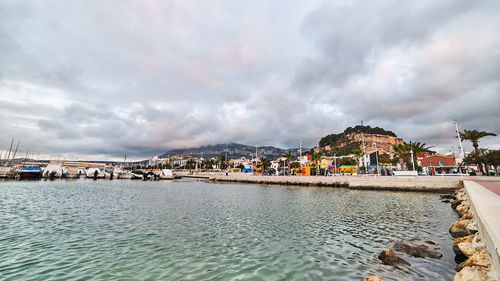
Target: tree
288 157
316 156
417 147
402 150
347 161
358 153
265 163
190 164
240 166
474 136
222 162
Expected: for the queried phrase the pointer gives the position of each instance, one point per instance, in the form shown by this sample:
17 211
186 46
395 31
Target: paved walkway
490 183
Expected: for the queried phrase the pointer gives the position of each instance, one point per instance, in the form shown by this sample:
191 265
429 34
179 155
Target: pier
421 183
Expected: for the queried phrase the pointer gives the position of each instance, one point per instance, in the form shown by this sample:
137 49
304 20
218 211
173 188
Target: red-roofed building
438 161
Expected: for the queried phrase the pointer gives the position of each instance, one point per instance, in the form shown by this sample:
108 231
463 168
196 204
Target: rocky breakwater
474 261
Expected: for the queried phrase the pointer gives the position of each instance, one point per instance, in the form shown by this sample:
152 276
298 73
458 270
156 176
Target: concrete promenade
420 183
484 196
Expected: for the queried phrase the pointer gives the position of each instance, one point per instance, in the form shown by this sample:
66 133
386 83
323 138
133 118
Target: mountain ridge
234 151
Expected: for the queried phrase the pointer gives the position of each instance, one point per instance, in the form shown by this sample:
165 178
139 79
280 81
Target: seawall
485 206
424 184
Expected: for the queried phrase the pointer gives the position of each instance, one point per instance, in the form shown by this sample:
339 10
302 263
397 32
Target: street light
412 160
376 156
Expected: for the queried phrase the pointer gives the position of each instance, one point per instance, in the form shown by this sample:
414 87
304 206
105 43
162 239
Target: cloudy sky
98 79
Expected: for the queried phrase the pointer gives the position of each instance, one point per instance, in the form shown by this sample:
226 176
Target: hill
344 143
234 151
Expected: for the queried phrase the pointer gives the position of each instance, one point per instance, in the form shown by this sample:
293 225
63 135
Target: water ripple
126 230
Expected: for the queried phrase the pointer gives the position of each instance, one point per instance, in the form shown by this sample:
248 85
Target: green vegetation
474 136
265 163
336 139
347 161
288 157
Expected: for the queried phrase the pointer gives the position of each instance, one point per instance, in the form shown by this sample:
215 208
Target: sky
100 79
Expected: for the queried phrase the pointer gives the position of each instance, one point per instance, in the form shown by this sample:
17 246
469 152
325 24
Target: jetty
441 184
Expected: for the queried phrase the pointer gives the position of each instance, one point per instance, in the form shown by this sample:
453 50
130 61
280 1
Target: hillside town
358 150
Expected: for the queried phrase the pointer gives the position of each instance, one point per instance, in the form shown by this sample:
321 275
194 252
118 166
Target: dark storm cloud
141 77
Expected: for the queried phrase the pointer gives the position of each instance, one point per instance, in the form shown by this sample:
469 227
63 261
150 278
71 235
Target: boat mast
15 152
462 154
8 155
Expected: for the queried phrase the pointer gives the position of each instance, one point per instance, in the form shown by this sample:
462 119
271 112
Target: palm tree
474 136
316 156
417 147
358 153
288 157
265 163
402 150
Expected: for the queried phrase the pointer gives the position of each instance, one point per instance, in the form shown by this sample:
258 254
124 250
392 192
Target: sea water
195 230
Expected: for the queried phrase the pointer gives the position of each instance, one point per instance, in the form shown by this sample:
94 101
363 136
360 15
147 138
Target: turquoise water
192 230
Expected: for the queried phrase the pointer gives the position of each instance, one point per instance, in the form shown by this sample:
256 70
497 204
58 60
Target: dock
439 184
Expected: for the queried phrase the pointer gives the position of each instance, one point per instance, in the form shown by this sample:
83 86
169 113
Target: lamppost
376 156
335 163
300 155
364 152
412 160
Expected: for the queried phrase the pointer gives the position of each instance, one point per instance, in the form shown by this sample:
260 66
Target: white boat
54 171
166 174
94 173
7 172
73 172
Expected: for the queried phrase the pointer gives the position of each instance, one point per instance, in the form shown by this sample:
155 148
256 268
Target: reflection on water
202 231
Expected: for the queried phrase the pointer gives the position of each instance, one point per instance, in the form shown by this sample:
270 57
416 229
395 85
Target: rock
466 248
478 243
463 208
467 216
459 240
447 196
474 273
390 258
418 249
445 201
372 278
455 203
472 227
477 259
459 229
461 195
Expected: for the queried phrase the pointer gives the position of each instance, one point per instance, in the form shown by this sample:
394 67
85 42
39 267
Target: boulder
467 216
455 203
474 273
463 208
461 195
390 258
459 229
466 248
459 240
372 278
418 249
479 259
472 227
478 243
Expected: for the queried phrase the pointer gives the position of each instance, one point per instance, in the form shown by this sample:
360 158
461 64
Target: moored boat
30 173
94 173
7 172
166 174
